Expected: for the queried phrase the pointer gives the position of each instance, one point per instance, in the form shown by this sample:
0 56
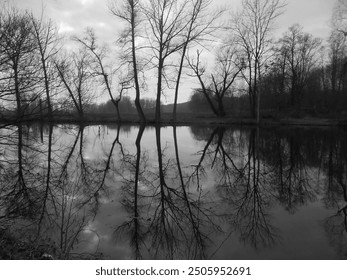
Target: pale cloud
313 15
101 24
86 2
65 28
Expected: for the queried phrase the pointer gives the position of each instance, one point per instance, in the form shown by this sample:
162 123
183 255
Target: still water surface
176 193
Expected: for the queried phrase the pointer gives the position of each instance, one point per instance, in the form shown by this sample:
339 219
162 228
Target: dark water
164 193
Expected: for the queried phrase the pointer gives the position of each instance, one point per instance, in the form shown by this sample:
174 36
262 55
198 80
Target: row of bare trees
158 33
305 73
35 68
295 73
39 73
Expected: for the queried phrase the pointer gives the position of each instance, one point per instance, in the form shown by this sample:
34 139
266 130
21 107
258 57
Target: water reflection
172 193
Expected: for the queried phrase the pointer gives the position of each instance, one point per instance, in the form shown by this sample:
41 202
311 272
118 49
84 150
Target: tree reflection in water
166 220
335 161
49 192
176 203
132 227
242 185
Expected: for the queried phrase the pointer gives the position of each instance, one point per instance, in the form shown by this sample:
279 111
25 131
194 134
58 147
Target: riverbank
182 119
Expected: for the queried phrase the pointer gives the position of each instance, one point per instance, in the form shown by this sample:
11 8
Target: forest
46 75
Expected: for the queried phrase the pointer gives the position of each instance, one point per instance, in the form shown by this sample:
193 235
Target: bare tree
3 36
167 24
337 54
338 42
275 80
130 12
339 19
75 74
19 64
300 49
200 26
251 29
100 68
218 85
199 70
46 39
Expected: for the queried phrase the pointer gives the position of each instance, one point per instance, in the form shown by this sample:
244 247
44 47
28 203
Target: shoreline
181 121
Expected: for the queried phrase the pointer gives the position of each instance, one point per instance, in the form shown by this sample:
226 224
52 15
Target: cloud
65 28
86 2
313 15
76 15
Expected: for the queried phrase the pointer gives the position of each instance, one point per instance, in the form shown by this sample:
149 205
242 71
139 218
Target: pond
131 192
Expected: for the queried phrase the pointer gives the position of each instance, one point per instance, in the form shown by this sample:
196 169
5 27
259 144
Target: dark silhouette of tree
130 13
167 22
251 29
218 86
74 72
201 25
46 41
98 53
337 55
19 65
300 50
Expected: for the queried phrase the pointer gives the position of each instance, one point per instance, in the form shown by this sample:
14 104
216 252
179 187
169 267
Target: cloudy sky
73 16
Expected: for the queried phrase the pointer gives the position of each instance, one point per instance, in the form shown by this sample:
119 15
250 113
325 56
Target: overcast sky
73 16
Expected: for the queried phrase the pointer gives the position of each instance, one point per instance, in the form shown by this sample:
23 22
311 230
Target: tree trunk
117 110
18 99
178 81
159 85
221 111
136 78
48 98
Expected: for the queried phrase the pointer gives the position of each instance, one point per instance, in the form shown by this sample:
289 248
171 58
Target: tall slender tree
201 26
166 25
130 12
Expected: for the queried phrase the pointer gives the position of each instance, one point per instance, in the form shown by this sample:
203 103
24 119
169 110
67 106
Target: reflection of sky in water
300 235
256 215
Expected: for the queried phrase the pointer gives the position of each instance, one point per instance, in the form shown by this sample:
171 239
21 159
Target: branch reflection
170 198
